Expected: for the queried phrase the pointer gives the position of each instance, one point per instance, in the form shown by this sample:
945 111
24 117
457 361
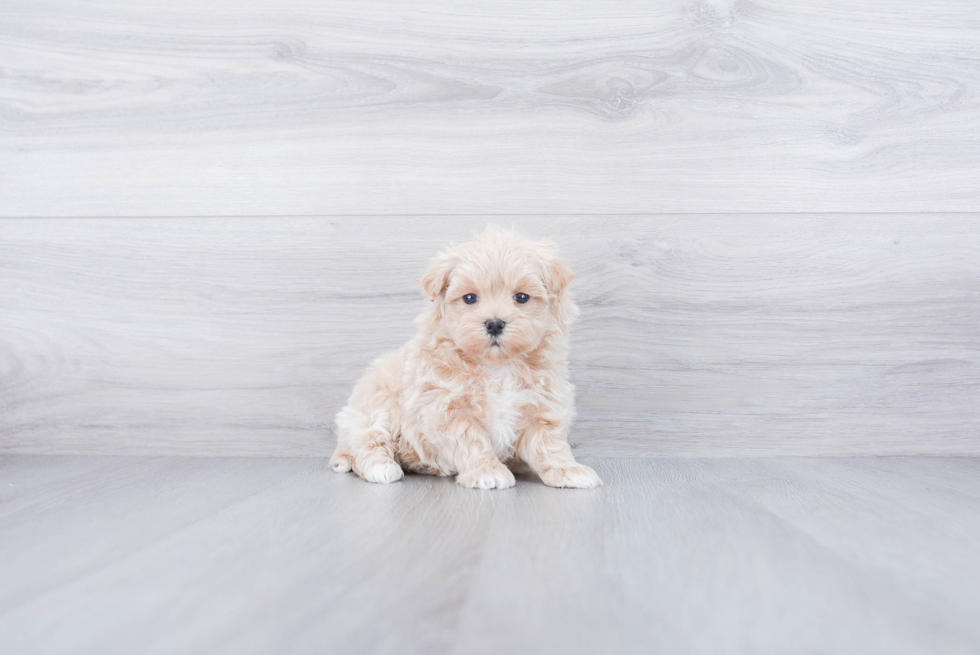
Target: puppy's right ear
436 279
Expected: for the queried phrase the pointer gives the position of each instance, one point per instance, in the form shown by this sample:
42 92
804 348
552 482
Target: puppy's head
500 296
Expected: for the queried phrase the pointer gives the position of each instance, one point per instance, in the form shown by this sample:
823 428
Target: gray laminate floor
252 555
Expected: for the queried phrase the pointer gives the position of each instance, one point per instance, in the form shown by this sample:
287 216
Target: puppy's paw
383 472
487 477
575 476
341 462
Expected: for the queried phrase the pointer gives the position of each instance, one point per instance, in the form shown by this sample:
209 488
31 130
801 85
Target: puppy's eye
470 298
522 298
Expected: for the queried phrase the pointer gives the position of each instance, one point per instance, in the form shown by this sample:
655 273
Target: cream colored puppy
483 382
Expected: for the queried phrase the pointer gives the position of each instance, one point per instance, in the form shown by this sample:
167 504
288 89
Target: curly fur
458 400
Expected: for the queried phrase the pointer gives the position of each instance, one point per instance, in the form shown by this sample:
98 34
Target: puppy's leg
367 427
476 463
365 445
343 460
544 447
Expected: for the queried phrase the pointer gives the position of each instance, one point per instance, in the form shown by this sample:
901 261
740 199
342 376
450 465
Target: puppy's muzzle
495 327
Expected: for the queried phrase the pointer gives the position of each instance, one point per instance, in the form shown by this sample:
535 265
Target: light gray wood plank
954 475
924 545
952 496
699 336
76 525
318 562
671 555
22 476
382 106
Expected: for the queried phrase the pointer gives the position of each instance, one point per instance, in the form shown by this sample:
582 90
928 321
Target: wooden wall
212 214
699 335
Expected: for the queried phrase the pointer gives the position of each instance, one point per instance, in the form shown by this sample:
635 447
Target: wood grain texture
699 336
930 539
672 557
318 562
116 506
386 107
748 555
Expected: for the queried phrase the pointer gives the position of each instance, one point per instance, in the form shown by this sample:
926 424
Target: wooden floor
237 555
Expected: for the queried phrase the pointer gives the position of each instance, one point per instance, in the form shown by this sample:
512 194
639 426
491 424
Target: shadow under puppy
483 382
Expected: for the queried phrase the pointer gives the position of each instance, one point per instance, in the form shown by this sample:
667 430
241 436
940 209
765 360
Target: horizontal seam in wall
512 215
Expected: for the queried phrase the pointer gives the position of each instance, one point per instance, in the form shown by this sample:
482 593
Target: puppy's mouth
495 341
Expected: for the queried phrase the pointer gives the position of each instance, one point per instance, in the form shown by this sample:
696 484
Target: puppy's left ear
557 276
436 279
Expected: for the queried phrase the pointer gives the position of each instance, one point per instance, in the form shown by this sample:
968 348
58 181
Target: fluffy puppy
483 382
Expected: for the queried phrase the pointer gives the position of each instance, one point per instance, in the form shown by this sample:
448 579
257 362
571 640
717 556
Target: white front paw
576 476
487 477
383 472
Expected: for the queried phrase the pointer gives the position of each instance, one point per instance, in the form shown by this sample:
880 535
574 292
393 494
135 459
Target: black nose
495 326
